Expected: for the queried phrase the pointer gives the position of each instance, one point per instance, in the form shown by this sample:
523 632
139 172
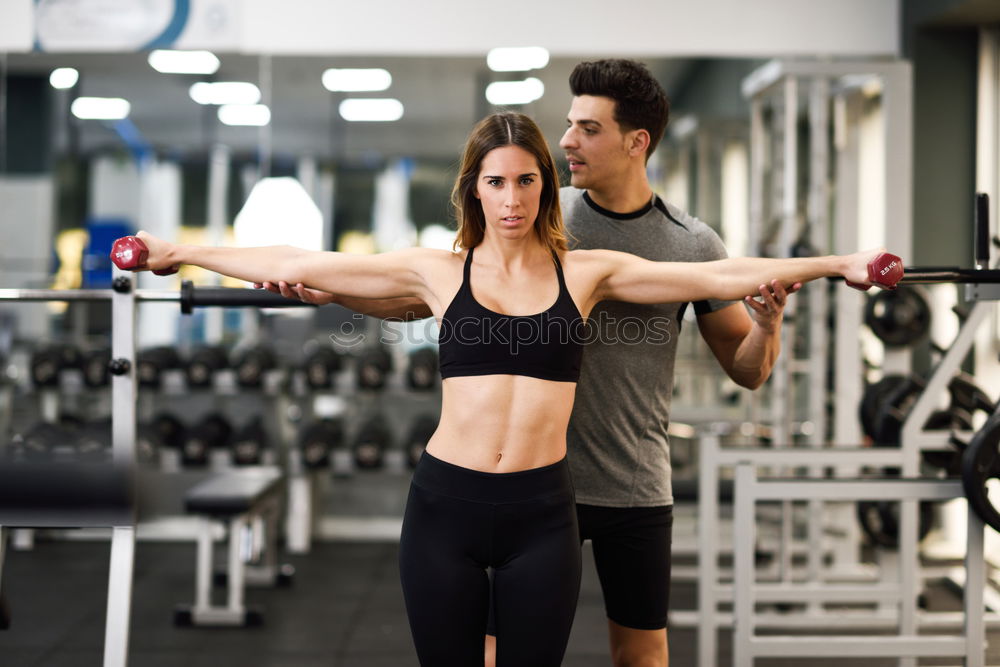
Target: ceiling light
244 114
502 93
356 80
225 92
371 109
279 199
63 78
183 62
519 59
100 108
437 236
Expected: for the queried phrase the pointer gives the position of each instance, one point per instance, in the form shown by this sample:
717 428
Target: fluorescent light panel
371 109
255 115
100 108
63 78
517 59
225 92
356 80
279 211
502 93
183 62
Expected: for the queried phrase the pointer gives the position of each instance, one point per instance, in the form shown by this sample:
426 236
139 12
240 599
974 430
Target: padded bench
248 501
77 495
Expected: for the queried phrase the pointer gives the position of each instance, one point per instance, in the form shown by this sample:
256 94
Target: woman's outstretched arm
625 277
387 275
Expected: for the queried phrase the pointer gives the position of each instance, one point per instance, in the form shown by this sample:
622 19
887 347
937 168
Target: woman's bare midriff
502 423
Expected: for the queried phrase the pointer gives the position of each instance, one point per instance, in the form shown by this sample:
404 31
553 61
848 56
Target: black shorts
632 555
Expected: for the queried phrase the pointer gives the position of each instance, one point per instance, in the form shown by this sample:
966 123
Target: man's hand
767 311
298 291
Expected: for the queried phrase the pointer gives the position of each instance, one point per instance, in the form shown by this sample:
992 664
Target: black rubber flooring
344 609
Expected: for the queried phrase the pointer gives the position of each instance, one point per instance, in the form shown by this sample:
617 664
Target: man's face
595 146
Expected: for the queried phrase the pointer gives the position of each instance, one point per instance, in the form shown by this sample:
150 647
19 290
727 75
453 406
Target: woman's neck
512 254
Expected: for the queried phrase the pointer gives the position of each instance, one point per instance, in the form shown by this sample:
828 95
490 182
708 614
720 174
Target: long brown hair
495 131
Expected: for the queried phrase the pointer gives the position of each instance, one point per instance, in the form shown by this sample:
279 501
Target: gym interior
196 472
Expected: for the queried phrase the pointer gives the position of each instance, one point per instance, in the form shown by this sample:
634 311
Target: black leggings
458 522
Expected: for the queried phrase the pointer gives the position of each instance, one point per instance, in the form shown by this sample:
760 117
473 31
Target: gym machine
980 463
44 495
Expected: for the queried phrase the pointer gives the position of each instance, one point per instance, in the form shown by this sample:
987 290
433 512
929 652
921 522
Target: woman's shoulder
592 256
436 255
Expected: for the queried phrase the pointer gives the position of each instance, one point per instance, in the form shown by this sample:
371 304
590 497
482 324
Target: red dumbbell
885 270
129 253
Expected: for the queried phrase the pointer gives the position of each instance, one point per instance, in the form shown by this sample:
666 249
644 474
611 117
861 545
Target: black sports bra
475 340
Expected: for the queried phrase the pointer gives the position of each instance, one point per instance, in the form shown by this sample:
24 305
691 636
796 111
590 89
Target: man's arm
402 308
747 344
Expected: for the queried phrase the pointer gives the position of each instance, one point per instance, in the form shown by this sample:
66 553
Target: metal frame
833 586
908 644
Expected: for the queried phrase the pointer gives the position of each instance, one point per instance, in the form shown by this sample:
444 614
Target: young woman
493 488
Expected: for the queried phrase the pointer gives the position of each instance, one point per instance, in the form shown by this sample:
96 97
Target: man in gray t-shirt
619 450
617 440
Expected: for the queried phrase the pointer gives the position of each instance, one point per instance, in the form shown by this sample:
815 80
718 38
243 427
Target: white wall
16 25
26 244
647 28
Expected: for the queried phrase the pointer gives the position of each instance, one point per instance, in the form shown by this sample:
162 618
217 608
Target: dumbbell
317 440
95 368
49 361
150 364
422 370
212 432
884 270
252 363
371 443
373 368
321 365
130 253
417 437
169 430
249 443
204 363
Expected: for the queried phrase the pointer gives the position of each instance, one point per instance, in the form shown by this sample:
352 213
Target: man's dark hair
640 101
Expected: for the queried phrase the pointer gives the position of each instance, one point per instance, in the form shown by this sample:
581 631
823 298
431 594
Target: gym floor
344 609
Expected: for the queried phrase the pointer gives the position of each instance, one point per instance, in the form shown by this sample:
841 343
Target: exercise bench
78 495
248 501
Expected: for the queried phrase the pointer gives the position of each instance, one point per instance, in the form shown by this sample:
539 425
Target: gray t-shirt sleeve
709 247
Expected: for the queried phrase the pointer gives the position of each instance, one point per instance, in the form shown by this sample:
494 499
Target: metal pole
708 547
743 574
123 400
